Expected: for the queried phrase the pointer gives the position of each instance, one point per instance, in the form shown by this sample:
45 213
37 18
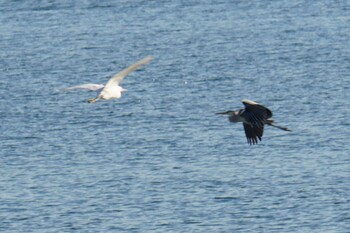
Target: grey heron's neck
235 117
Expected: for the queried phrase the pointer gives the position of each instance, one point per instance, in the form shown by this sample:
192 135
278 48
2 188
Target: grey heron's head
229 112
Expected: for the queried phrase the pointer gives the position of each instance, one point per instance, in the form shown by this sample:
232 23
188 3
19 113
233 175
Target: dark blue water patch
226 199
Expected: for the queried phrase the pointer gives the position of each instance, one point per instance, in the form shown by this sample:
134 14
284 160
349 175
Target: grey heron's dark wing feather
252 117
253 105
253 132
256 114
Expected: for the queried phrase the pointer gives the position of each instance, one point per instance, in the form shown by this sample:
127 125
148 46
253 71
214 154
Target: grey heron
112 89
254 116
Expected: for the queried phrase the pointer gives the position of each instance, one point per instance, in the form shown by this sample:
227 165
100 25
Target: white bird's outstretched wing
89 86
117 78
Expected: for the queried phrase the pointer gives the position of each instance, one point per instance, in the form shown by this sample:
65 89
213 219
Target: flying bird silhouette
254 116
112 89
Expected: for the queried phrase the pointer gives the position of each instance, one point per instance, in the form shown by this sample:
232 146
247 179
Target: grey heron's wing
255 113
89 86
253 133
117 78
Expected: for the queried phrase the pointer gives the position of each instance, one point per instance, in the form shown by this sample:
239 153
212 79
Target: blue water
159 159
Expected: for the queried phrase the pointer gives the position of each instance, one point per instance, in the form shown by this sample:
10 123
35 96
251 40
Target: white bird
112 89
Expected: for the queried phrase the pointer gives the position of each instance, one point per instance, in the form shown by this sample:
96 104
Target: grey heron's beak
222 113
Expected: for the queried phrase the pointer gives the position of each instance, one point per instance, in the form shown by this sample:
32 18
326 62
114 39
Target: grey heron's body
254 116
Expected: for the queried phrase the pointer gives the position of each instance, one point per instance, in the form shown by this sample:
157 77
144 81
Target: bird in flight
254 116
112 89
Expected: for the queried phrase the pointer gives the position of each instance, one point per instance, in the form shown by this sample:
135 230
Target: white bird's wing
89 86
117 78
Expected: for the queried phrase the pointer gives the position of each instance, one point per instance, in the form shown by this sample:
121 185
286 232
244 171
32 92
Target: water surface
159 159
